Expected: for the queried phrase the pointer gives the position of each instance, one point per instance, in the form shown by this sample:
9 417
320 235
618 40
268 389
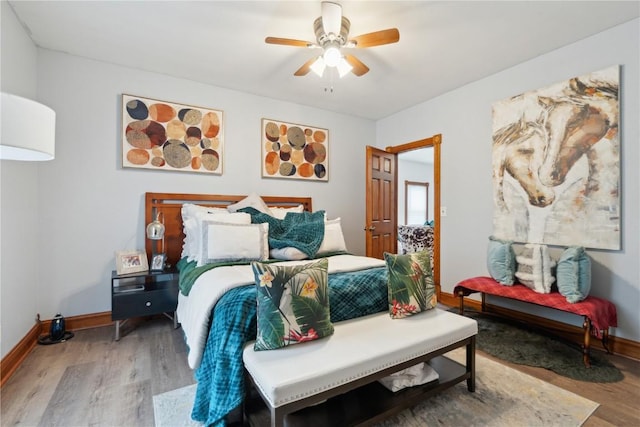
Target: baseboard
12 361
622 346
16 356
84 321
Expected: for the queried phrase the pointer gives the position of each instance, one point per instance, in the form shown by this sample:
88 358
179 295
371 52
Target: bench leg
587 342
605 340
277 417
471 364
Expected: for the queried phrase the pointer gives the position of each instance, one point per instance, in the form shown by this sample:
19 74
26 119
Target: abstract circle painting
294 151
164 135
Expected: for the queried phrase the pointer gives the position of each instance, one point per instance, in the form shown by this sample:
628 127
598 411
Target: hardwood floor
92 380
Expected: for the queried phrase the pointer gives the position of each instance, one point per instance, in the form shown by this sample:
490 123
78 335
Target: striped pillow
535 268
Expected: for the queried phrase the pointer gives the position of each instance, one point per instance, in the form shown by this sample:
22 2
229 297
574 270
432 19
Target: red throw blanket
601 312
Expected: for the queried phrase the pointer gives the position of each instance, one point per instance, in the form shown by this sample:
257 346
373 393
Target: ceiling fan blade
288 42
331 17
377 38
306 67
359 68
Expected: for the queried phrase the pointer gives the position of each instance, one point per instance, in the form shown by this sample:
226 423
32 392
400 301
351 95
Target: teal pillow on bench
501 261
573 274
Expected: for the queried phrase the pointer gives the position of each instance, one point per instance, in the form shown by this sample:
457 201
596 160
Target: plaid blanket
220 375
303 231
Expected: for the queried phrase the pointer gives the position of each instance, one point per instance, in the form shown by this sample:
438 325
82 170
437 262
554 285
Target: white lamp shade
318 66
28 129
344 67
332 56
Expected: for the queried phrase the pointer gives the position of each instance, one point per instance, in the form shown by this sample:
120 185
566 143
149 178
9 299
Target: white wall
19 288
92 207
463 117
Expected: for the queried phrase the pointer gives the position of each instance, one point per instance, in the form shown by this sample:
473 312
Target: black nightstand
143 294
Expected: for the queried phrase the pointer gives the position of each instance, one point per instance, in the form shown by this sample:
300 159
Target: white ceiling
443 44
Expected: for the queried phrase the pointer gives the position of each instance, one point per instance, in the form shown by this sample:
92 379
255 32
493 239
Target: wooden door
382 200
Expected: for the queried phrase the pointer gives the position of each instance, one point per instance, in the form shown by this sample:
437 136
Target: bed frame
169 206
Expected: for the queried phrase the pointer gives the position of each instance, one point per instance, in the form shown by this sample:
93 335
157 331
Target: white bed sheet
194 310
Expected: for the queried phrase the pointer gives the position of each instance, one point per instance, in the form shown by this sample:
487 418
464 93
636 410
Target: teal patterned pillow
410 284
293 304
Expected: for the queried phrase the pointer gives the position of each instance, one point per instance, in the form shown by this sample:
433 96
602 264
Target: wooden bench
343 368
598 313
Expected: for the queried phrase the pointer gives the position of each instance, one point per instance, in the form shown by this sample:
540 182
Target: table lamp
155 231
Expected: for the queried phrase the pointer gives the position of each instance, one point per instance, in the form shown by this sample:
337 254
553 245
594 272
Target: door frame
435 141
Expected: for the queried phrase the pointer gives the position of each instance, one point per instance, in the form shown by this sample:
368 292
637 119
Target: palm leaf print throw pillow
293 304
410 285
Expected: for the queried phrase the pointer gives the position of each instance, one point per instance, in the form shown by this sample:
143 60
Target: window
416 202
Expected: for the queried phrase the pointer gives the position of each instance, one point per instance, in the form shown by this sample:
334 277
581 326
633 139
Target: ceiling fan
332 34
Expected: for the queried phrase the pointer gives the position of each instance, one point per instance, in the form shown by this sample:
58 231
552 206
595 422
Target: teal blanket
303 231
220 375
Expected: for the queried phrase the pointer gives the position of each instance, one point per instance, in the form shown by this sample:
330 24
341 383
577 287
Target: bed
218 320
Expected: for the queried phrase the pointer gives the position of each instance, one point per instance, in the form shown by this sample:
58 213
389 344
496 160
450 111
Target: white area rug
173 408
504 397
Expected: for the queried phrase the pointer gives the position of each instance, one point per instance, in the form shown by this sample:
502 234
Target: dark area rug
518 343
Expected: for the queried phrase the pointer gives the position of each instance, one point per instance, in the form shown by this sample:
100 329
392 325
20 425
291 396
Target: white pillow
288 254
189 230
196 228
253 201
535 268
189 212
280 213
234 242
333 238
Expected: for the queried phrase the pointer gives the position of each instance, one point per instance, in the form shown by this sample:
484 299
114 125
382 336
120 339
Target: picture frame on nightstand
158 262
131 262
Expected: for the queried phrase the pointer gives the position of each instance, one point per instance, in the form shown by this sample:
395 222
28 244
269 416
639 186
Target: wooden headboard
170 205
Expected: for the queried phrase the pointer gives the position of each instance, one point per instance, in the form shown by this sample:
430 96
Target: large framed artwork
294 151
168 136
556 163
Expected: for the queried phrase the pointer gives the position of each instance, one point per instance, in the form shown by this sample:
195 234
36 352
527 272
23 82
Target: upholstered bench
361 351
598 313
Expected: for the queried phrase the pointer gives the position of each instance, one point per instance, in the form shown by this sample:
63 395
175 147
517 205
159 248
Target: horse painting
556 164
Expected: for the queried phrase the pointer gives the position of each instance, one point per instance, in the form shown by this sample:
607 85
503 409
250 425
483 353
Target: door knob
370 228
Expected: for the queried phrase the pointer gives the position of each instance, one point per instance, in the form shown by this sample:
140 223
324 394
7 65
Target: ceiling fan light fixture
332 56
332 34
344 67
331 17
318 66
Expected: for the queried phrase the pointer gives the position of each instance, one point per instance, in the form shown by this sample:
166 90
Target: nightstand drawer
141 303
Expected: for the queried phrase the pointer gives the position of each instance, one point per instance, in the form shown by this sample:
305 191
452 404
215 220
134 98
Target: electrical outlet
443 211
